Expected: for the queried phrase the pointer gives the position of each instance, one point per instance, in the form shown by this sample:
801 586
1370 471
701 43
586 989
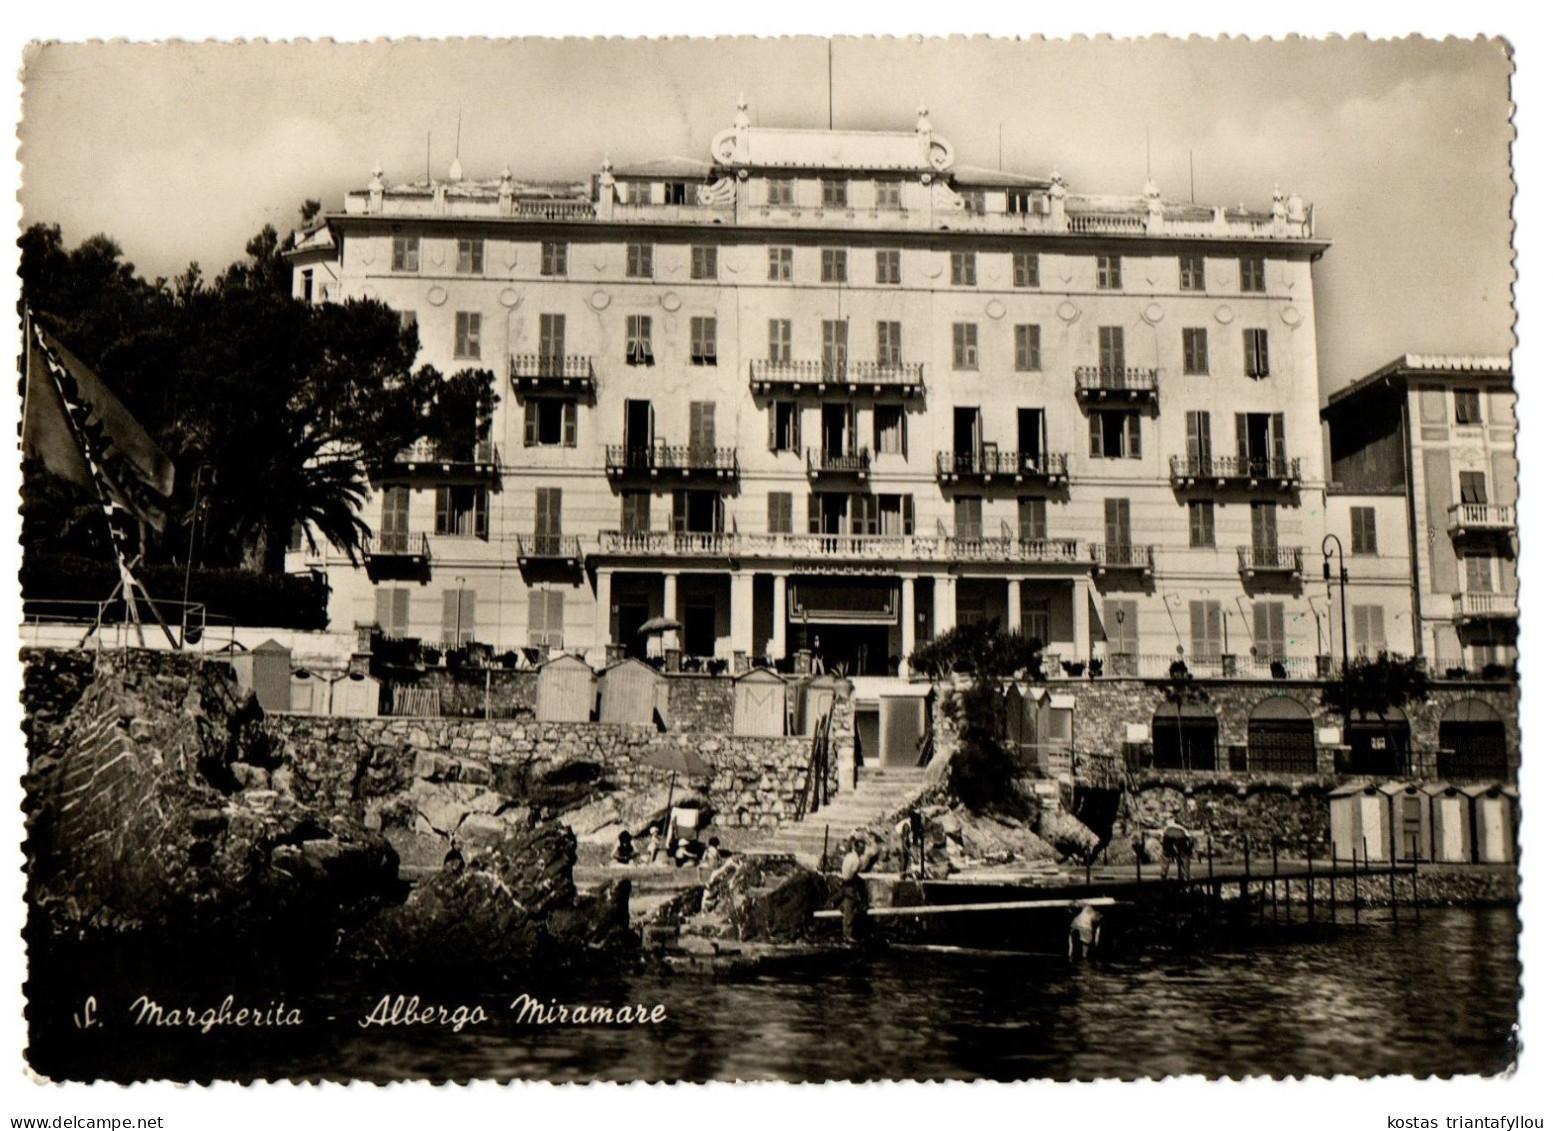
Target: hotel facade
832 392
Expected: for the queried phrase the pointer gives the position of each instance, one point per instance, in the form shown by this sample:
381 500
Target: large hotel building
832 392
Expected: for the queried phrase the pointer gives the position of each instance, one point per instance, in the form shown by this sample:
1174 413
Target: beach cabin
309 693
760 703
1494 819
630 691
266 671
1022 722
355 696
903 723
1412 821
815 697
1361 822
1451 815
565 691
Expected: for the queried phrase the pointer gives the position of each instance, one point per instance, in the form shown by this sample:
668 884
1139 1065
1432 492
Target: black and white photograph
769 559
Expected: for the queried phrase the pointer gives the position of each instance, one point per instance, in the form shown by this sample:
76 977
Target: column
778 616
943 604
1081 642
908 623
671 608
741 611
603 614
1014 611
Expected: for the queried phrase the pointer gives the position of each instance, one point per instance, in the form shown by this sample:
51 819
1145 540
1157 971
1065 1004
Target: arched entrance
1472 743
1380 747
1281 737
1186 737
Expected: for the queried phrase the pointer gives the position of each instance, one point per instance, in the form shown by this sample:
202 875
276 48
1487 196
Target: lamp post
458 614
1342 592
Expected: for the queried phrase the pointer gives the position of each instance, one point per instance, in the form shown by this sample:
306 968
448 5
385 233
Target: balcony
1270 561
990 465
552 373
668 543
565 549
1106 558
673 213
1006 548
1102 383
430 459
822 463
687 461
1234 471
1480 518
396 556
840 378
1484 606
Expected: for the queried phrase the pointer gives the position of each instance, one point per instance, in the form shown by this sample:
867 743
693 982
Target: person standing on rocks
861 855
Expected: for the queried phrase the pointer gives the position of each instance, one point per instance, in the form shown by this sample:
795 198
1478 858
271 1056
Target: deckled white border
1177 1102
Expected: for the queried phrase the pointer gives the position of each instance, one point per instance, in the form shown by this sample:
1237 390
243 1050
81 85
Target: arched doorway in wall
1186 737
1472 743
1281 737
1380 747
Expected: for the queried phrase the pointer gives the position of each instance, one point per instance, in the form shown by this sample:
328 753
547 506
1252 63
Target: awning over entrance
843 602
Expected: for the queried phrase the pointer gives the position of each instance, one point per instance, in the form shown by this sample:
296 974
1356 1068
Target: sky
182 151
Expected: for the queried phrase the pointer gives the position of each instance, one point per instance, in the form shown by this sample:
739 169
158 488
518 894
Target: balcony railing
1104 556
1486 518
1107 223
396 555
990 464
1114 382
687 460
821 462
809 376
1485 606
1226 470
553 209
559 372
1278 560
1007 548
674 213
549 547
1215 666
840 547
433 458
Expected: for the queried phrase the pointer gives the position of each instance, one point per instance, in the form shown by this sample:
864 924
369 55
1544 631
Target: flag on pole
82 433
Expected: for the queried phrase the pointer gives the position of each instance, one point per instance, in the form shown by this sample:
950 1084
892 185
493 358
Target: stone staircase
880 792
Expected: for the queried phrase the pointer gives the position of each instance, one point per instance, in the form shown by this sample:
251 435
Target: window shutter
482 509
1134 436
1277 431
530 424
555 616
1096 435
443 520
385 610
798 427
1249 339
536 617
466 616
771 426
569 424
719 515
851 429
680 500
908 512
450 616
1242 436
400 612
1193 437
814 514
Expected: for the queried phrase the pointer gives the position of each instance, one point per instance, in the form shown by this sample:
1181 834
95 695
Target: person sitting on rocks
654 846
625 850
687 851
714 854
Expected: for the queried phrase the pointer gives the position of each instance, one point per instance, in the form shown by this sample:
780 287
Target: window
1118 524
780 192
833 192
552 258
779 264
1113 354
962 268
779 340
463 512
703 341
1199 443
466 334
393 611
1264 533
1257 364
889 430
1469 409
471 257
887 194
967 516
833 347
552 343
1480 573
1027 269
786 425
1267 623
1199 515
703 426
639 261
676 192
547 520
703 263
1194 350
1108 272
1193 277
1121 631
779 512
1116 434
897 516
550 422
1369 629
1018 202
546 618
889 343
1027 349
965 345
407 253
1032 519
307 286
833 265
975 202
1474 487
1207 632
1362 527
635 512
458 617
638 192
887 267
408 321
393 534
639 339
1253 275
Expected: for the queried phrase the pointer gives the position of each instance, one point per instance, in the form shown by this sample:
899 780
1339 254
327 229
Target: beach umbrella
678 760
659 624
